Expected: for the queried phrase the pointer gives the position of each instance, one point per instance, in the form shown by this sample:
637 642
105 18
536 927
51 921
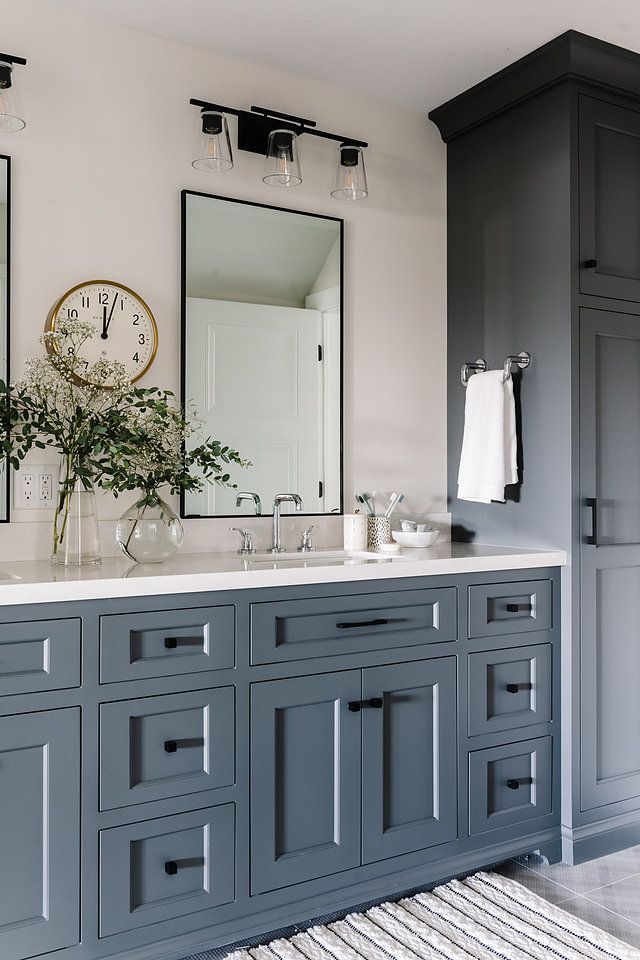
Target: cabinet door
610 556
409 757
39 832
305 779
609 200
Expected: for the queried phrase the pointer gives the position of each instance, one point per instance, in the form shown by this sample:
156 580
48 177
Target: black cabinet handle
591 264
170 868
171 643
515 784
356 705
362 623
519 607
517 687
170 746
592 504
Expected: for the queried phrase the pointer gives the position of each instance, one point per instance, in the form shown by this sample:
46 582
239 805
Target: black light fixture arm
10 58
255 125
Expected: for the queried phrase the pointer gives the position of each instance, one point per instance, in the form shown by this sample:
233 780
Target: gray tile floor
603 892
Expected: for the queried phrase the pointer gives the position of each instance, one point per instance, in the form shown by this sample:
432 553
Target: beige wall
97 176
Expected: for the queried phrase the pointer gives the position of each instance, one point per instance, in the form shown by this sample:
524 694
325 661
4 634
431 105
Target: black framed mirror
5 279
262 345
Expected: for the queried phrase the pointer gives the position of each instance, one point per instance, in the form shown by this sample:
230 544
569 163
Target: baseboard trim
592 840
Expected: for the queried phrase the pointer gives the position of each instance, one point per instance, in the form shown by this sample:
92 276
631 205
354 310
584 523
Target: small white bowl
415 539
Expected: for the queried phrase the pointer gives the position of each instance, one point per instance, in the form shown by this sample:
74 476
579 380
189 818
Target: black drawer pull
591 264
171 868
519 607
171 643
362 623
356 705
170 746
515 784
517 687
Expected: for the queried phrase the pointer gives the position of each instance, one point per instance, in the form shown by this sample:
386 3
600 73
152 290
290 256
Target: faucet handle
306 546
247 542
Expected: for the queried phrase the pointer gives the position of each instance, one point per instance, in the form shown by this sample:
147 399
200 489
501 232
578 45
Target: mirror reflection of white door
3 376
254 376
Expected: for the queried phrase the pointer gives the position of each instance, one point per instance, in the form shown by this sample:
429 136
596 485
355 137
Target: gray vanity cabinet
39 832
198 769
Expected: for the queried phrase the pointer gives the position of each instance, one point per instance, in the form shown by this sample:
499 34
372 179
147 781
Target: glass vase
76 537
149 531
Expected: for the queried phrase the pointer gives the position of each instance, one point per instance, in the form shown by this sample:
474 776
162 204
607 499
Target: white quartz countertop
39 582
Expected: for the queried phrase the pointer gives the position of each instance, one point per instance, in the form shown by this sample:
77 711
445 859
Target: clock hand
110 313
104 324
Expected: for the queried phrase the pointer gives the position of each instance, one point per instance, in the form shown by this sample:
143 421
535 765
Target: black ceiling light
11 114
275 135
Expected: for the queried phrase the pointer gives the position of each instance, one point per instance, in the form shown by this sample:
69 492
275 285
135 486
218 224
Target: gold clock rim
51 316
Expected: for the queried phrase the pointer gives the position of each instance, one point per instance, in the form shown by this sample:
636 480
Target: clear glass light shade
351 177
11 115
282 166
212 147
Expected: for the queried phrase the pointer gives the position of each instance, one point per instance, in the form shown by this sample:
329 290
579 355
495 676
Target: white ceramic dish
414 539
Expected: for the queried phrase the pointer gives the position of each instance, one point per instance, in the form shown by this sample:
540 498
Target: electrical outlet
33 487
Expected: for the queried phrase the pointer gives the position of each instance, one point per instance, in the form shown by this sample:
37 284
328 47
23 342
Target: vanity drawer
166 868
135 646
328 626
509 688
509 784
39 655
167 746
499 608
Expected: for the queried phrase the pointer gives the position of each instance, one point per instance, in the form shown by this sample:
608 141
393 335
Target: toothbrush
363 498
396 498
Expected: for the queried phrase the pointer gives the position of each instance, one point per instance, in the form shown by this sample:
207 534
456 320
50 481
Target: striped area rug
484 917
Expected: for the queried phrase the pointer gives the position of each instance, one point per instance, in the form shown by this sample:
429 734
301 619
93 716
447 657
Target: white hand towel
488 461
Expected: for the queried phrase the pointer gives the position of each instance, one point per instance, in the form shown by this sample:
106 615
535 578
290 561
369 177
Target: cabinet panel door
609 200
305 779
610 556
409 757
39 832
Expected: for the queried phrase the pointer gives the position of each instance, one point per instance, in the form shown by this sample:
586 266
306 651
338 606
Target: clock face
126 329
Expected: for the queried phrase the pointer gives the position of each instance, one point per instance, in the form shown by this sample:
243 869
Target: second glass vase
149 531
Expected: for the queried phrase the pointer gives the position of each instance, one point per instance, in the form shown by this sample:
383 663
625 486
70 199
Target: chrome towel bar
522 359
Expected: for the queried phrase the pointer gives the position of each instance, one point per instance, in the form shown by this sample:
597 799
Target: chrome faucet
277 500
246 495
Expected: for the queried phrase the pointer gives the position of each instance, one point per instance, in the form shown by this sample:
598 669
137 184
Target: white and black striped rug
484 917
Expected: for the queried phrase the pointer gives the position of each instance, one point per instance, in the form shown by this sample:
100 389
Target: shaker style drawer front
509 688
509 784
299 629
502 608
166 868
169 746
137 646
39 655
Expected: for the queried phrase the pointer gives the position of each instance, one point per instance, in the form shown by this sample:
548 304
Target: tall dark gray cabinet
544 256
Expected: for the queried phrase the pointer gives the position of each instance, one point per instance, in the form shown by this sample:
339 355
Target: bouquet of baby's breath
108 432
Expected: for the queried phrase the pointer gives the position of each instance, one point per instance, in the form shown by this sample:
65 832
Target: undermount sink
319 558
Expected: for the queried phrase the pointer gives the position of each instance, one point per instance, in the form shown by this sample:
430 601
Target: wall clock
126 328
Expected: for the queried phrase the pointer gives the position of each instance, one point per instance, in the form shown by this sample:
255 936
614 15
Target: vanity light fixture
11 114
212 146
274 135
